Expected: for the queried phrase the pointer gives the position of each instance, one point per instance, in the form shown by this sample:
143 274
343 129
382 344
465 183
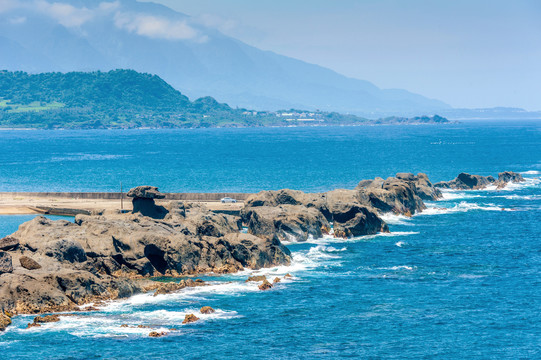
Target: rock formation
143 201
465 181
58 265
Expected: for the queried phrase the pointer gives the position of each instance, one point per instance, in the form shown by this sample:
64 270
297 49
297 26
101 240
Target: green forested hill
128 99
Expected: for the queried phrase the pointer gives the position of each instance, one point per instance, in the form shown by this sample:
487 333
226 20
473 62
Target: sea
462 279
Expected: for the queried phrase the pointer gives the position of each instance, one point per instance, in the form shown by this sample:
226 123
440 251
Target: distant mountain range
128 99
88 35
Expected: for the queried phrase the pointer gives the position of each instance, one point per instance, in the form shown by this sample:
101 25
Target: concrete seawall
117 195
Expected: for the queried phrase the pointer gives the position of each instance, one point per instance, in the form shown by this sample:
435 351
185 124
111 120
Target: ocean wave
531 172
401 243
520 197
461 207
87 157
394 219
456 195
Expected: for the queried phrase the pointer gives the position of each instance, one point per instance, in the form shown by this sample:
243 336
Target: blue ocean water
460 280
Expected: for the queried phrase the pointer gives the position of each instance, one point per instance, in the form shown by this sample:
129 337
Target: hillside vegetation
128 99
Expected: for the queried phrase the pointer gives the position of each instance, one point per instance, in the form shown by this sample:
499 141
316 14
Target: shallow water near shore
460 279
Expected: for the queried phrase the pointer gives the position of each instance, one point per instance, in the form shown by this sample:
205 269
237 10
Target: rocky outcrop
397 195
143 201
290 223
465 181
508 177
59 265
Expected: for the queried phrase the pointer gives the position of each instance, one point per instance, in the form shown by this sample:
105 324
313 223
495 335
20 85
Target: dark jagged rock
145 192
395 195
28 263
8 243
465 181
6 263
508 177
143 201
351 220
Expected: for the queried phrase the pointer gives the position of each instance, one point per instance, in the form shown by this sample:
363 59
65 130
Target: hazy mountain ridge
199 61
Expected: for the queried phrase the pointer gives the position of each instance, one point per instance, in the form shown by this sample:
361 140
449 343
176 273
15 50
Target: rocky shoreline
57 266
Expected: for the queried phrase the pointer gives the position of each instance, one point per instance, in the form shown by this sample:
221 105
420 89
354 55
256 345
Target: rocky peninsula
53 266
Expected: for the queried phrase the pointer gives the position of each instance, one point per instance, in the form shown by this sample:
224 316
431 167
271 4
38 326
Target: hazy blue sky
467 53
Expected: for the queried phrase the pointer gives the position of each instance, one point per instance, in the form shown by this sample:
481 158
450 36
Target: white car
228 200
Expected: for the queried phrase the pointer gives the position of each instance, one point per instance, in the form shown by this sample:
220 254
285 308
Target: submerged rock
155 334
266 285
256 278
190 318
207 310
46 319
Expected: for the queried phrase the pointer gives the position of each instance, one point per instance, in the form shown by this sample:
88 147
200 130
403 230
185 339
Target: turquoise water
460 280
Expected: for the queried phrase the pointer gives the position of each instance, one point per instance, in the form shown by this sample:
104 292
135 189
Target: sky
467 53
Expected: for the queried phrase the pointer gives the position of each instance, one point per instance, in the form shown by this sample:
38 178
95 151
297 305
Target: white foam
531 172
453 195
394 219
461 207
400 243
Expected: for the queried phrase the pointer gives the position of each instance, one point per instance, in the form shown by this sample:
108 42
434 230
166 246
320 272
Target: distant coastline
126 99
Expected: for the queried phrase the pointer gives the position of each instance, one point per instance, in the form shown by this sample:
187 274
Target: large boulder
8 243
29 263
351 220
424 188
143 201
290 223
395 195
6 263
5 320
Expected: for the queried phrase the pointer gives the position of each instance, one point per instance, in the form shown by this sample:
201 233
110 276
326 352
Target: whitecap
394 219
461 207
400 243
531 172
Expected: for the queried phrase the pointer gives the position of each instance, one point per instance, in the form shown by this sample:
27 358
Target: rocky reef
465 181
51 266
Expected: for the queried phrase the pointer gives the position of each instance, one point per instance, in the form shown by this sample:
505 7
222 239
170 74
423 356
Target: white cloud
66 14
17 20
157 27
